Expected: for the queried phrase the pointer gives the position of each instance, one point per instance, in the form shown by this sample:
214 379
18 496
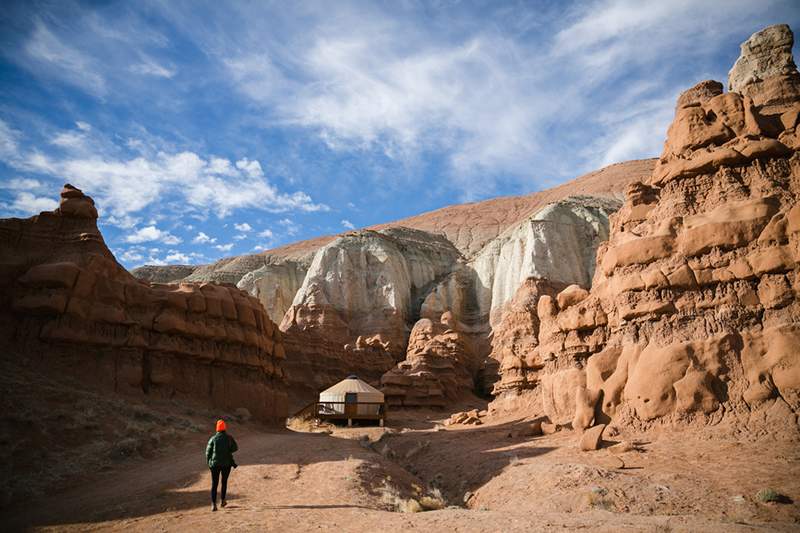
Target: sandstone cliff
693 313
68 306
467 259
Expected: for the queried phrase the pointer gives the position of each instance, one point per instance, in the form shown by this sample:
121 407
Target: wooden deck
344 411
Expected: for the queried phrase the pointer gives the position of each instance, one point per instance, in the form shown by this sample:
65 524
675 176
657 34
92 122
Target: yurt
351 399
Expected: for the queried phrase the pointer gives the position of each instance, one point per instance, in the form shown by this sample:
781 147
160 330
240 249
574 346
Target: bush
769 495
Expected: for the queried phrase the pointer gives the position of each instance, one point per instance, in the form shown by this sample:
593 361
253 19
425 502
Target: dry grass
56 430
432 500
304 424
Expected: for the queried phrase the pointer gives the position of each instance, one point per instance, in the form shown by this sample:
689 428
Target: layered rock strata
515 339
68 306
163 273
693 313
438 369
466 259
360 292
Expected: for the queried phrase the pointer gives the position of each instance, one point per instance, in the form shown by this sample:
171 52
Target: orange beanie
220 425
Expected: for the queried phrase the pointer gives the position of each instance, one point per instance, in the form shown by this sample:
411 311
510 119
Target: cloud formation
283 118
125 185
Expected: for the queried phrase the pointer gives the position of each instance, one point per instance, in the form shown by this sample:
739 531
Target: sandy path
291 481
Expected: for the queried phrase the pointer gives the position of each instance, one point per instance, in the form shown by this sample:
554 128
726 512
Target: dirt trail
292 481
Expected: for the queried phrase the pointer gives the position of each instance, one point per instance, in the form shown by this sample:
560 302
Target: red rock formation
515 339
67 305
693 313
439 367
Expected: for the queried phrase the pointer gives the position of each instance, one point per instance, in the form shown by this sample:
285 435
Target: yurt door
350 404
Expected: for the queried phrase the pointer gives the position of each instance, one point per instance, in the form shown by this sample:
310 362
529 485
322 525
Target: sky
209 129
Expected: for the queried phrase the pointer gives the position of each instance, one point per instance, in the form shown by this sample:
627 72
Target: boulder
591 438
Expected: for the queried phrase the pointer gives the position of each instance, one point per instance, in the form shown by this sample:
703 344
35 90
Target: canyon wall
347 304
693 313
68 306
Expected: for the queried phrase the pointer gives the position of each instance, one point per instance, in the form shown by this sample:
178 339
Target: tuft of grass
596 498
433 501
391 497
769 495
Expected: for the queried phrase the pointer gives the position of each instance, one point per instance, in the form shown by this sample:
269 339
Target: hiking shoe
224 503
213 506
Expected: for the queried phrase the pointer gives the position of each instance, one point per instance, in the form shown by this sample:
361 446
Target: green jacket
219 451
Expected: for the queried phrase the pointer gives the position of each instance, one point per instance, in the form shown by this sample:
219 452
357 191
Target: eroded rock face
438 369
694 303
351 313
163 273
765 70
557 243
369 284
515 339
275 284
68 305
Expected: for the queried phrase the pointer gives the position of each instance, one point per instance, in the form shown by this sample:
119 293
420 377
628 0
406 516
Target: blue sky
209 129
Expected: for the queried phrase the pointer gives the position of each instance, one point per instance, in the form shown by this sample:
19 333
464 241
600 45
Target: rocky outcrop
163 274
557 243
438 368
361 291
485 251
765 70
370 283
515 339
68 306
693 308
275 284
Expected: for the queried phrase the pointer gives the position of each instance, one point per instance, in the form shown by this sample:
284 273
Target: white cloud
52 57
239 237
252 168
69 139
267 234
124 186
224 247
244 226
202 238
22 184
28 203
291 228
84 126
9 147
152 233
149 67
131 256
347 224
122 221
177 257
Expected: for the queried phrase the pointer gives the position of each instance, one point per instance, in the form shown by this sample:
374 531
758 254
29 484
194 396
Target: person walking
219 456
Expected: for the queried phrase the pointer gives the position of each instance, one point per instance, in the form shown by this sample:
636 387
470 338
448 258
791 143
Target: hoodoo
693 311
68 305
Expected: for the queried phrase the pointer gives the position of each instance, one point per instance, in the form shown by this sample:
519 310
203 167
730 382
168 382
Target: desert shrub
768 495
596 498
433 500
410 506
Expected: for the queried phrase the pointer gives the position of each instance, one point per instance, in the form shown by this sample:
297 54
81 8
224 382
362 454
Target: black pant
215 472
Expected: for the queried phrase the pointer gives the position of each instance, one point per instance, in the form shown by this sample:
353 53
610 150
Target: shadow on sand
131 493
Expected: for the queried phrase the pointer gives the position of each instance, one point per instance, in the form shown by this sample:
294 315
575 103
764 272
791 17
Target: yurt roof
351 384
